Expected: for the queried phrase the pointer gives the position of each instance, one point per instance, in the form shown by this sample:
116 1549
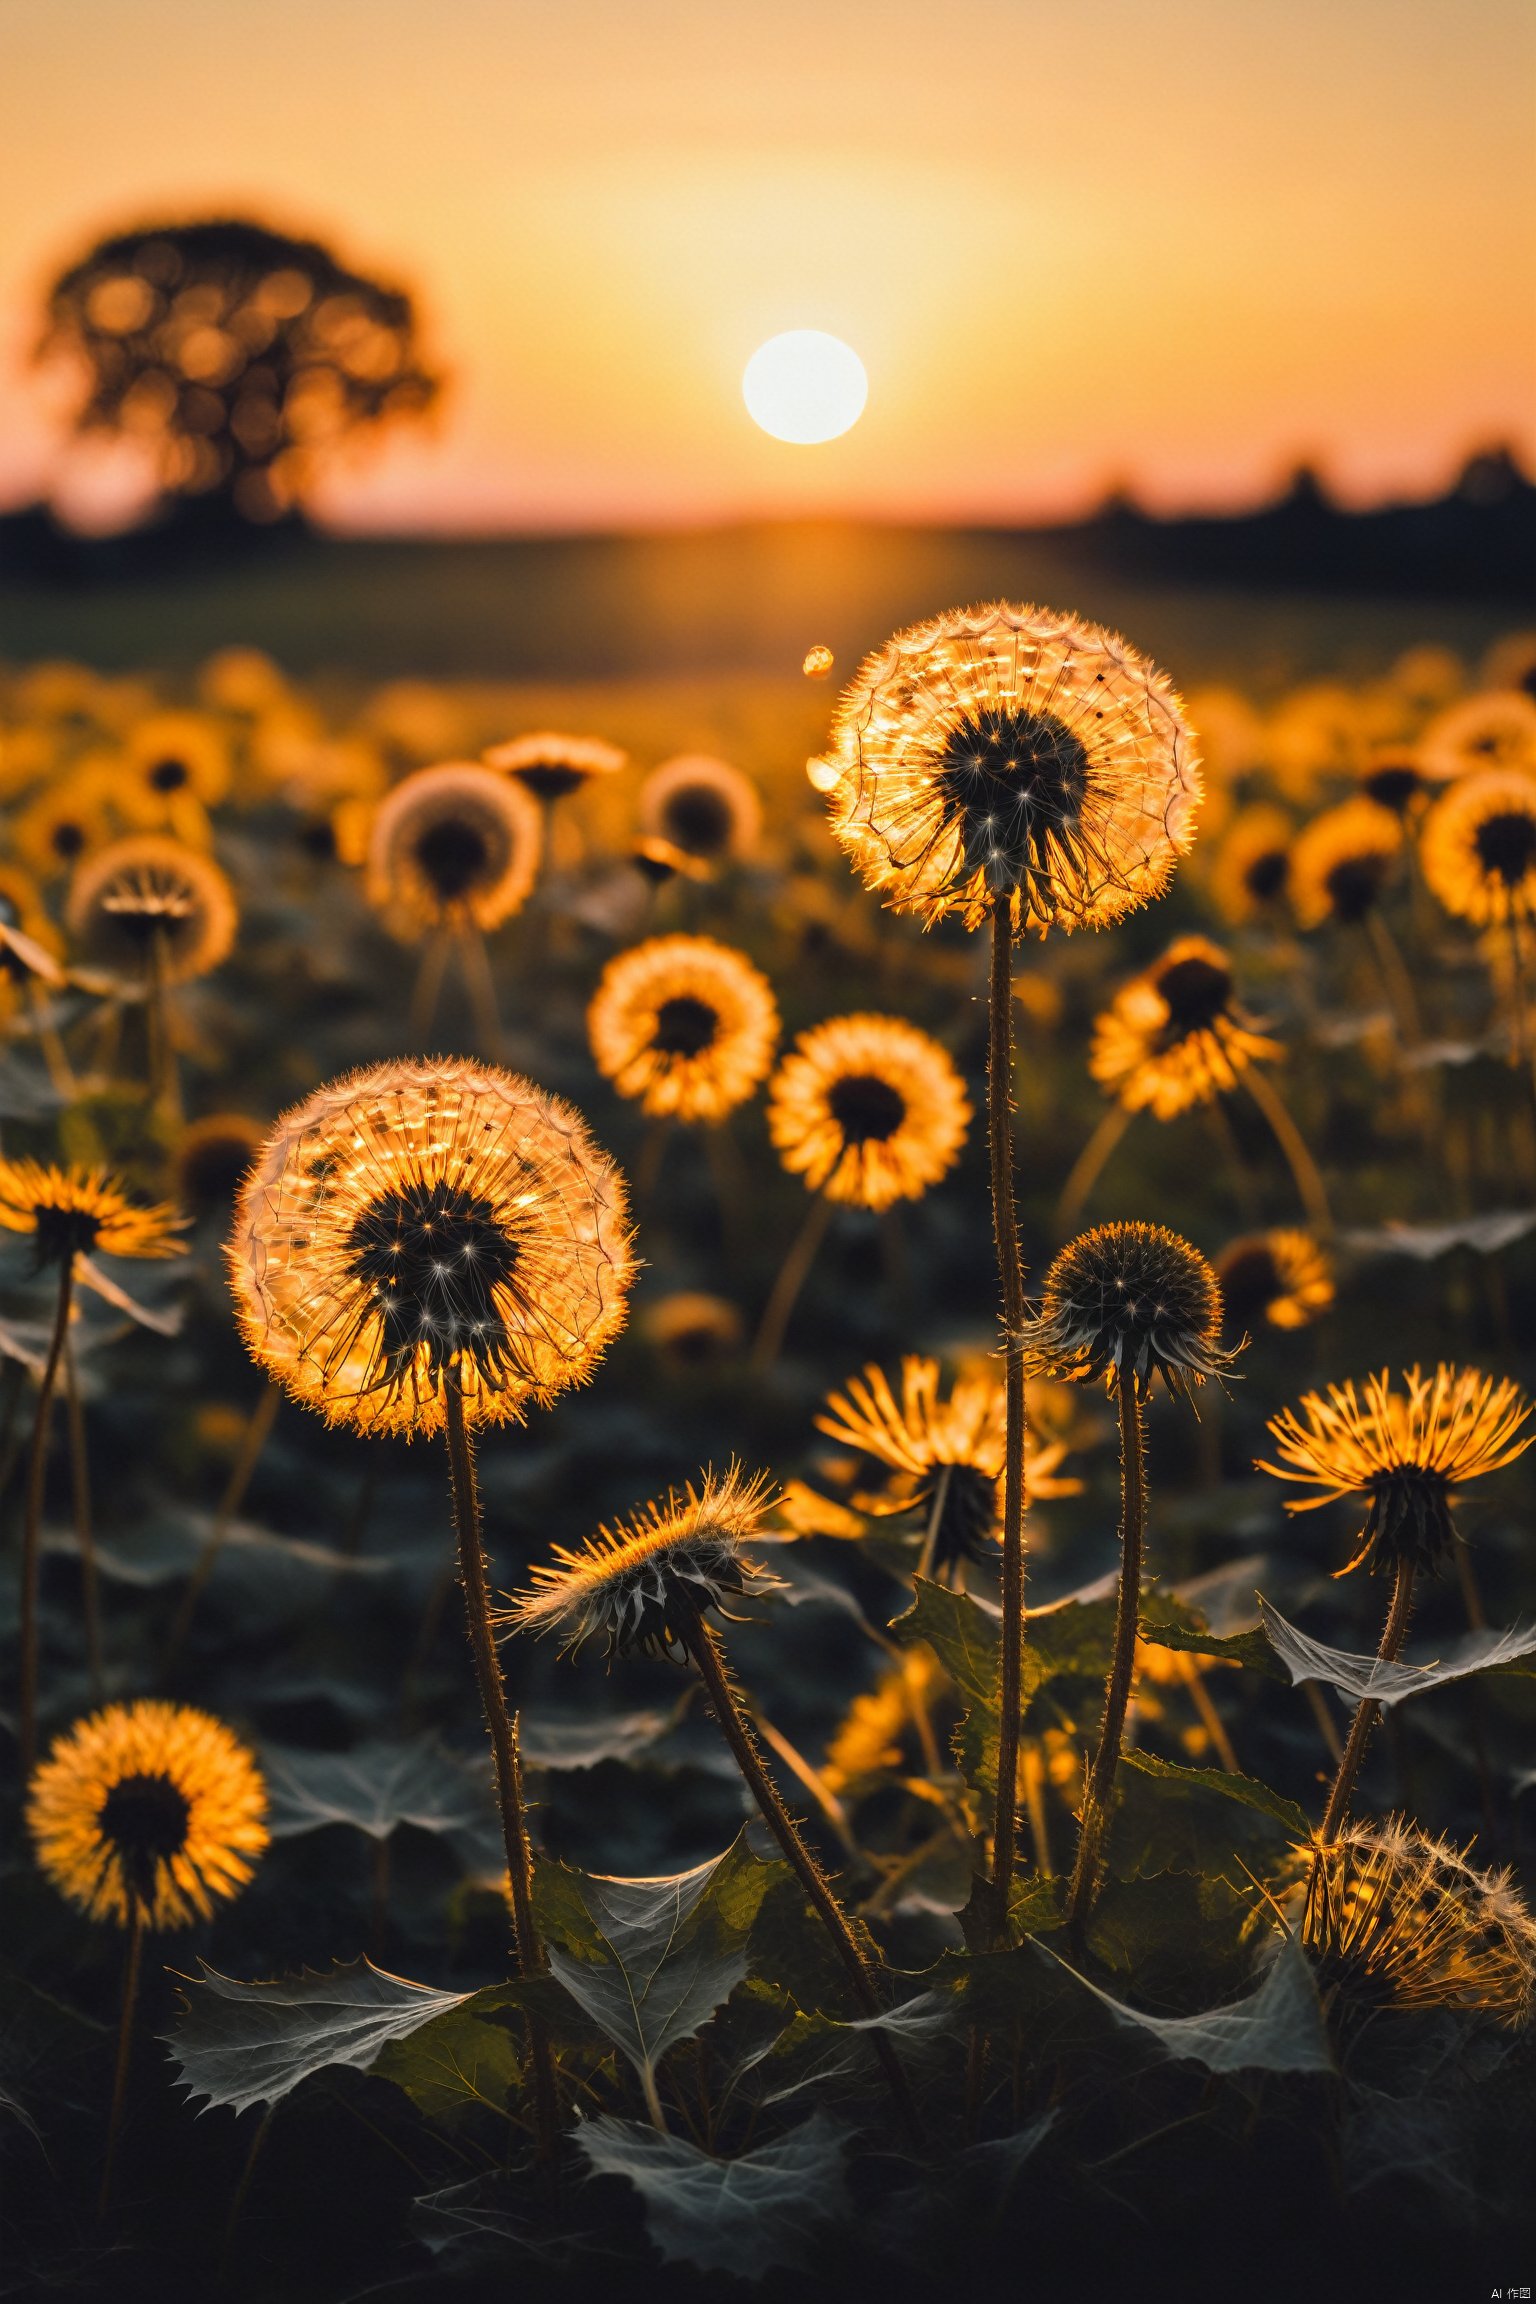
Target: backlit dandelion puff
551 767
1123 1305
1405 1453
704 806
684 1026
152 906
1282 1278
1393 1918
452 846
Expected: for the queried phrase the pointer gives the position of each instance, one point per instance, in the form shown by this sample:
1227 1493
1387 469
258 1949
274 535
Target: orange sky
1183 242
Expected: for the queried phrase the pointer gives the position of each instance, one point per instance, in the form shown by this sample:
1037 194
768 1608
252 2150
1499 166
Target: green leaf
464 2060
1278 2028
378 1786
772 2207
1359 1677
1172 1819
244 2044
1249 1649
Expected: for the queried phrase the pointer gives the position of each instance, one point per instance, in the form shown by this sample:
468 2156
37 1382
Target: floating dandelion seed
1175 1036
704 806
1392 1918
1283 1278
818 662
551 767
455 847
685 1026
1407 1453
867 1110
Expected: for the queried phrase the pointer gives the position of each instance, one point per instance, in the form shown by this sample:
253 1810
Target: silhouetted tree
241 357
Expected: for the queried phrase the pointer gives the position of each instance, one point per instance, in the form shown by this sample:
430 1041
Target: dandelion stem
1393 1635
935 1519
1311 1190
527 1949
258 1431
1210 1719
1010 1265
1090 1165
480 986
1117 1690
85 1538
793 1274
132 1961
429 983
709 1658
31 1542
164 1083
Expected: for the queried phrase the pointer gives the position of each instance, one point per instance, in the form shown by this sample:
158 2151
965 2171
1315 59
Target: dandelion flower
550 767
1406 1451
1394 1919
73 1212
1252 870
685 1026
1283 1277
69 820
1478 847
153 909
1129 1302
639 1583
1394 780
1342 862
704 806
1175 1036
176 756
1494 729
427 1222
1015 753
868 1110
455 846
150 1810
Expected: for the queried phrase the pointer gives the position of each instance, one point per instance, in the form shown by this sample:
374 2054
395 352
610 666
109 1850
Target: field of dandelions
764 1517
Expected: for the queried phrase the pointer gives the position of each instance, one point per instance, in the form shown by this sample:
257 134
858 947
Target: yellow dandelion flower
151 907
1478 847
1129 1301
948 1453
552 766
1252 868
702 805
1014 752
626 1582
423 1224
683 1025
79 1212
1393 1918
867 1110
1175 1036
241 681
1511 663
456 846
176 756
1407 1451
1494 729
1342 862
1282 1277
151 1809
1394 779
661 860
869 1742
70 819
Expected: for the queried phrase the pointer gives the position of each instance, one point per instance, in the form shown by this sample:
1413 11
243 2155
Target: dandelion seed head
149 903
454 845
1124 1303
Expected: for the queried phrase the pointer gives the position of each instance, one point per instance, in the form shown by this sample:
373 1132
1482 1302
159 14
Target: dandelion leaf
1250 1649
774 2207
460 2062
1357 1677
1197 1820
380 1785
1278 2027
244 2044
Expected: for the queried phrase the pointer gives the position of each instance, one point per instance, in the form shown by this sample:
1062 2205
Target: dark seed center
145 1819
867 1109
67 840
453 855
433 1257
1013 782
63 1233
1265 876
699 819
684 1026
1506 846
549 779
1197 992
1393 785
1354 885
169 775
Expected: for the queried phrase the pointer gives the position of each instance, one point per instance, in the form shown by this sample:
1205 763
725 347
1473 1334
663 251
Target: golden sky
1177 241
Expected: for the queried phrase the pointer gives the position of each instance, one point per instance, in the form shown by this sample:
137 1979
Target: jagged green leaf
769 2209
1278 2027
1173 1819
464 2060
244 2044
380 1785
1250 1649
1358 1677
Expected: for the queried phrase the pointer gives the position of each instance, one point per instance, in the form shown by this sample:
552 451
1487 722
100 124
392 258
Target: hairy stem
1117 1690
1010 1267
1394 1633
132 1961
32 1527
1306 1175
85 1535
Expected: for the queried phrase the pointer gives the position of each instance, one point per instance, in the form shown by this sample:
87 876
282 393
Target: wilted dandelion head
150 1808
1013 752
73 1212
868 1110
1343 861
1283 1278
1407 1451
212 1155
1251 874
947 1451
551 766
1127 1302
702 805
1494 729
1394 1919
639 1584
151 904
455 845
424 1224
1175 1036
684 1025
1478 847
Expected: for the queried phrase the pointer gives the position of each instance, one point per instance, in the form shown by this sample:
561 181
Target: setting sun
805 386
